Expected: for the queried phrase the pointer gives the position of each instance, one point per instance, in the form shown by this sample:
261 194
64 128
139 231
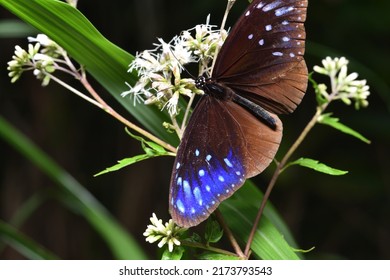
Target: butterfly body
223 92
234 132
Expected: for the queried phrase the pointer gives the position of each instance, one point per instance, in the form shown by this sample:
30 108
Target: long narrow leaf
106 62
272 240
23 244
120 242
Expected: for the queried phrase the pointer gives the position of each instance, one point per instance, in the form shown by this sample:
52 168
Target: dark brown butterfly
234 132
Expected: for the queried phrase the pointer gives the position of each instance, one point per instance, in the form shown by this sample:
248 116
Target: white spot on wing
208 157
261 42
285 39
198 195
220 178
177 165
268 27
284 10
247 13
277 54
250 36
197 152
201 172
187 188
260 5
180 206
272 6
228 163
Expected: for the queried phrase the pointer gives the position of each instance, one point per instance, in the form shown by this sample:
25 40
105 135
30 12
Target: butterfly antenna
182 66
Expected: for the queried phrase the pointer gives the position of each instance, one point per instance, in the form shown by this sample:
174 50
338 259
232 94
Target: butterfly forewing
262 58
214 158
225 143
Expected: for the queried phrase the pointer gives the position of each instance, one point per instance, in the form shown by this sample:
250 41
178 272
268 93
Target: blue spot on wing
201 186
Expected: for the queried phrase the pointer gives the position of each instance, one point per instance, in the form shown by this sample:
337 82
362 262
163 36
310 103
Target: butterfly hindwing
215 157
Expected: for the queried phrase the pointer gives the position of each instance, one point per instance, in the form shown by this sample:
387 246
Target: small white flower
345 87
41 39
167 234
172 104
160 69
40 60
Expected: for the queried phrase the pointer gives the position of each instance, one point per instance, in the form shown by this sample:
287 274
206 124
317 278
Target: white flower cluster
168 234
160 80
344 86
39 57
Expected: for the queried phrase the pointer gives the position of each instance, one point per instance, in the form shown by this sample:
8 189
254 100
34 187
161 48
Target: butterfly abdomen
223 92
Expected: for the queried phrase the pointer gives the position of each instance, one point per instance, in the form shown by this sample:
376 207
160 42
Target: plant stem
100 103
278 170
205 247
230 235
123 120
186 114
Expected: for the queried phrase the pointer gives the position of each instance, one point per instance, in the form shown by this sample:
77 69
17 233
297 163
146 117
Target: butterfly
234 131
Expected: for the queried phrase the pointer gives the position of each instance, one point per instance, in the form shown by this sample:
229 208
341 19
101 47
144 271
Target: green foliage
14 29
176 254
23 244
269 242
75 196
216 257
213 232
326 119
105 61
151 150
317 166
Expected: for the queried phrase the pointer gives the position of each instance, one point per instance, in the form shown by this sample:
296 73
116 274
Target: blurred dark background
345 217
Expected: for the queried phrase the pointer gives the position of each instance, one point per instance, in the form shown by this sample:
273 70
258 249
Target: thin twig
205 247
100 103
123 120
75 91
276 174
186 114
229 235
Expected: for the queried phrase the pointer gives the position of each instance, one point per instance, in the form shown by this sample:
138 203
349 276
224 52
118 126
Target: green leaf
11 28
106 62
123 163
216 256
194 238
176 254
213 232
75 196
23 244
151 150
317 166
335 123
272 239
154 146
